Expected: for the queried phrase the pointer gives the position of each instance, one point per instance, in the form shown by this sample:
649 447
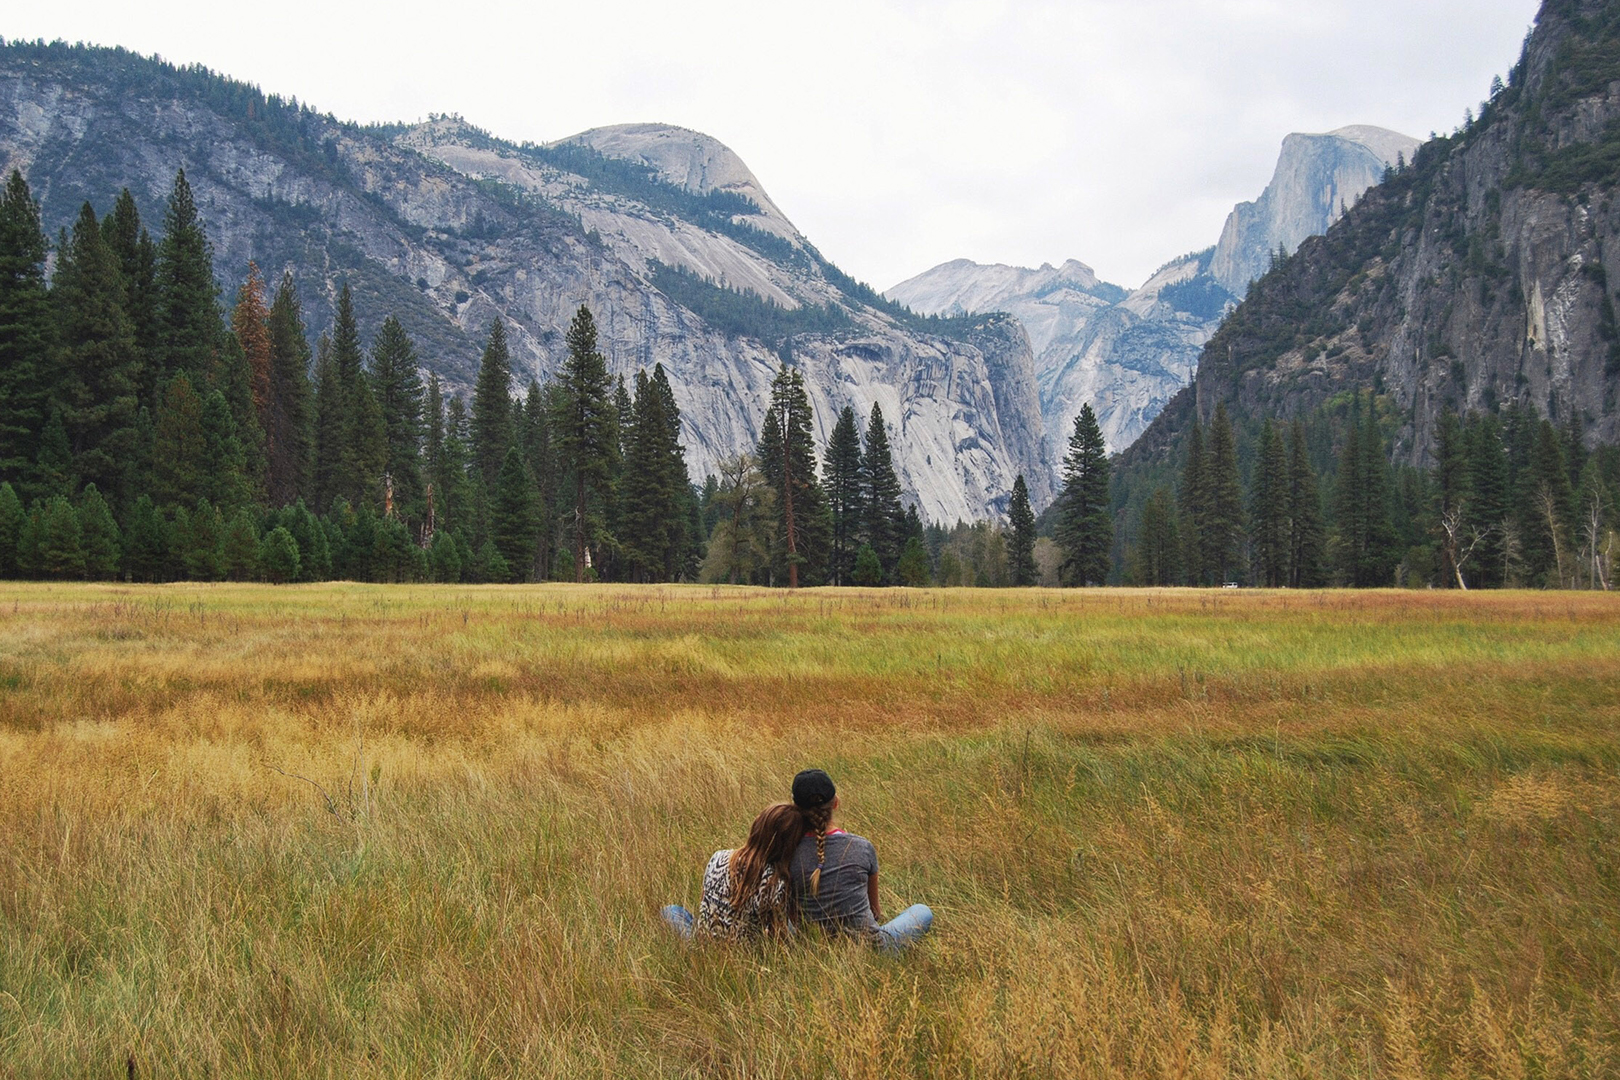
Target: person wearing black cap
834 874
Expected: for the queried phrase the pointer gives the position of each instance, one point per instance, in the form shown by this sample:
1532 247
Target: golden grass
1165 833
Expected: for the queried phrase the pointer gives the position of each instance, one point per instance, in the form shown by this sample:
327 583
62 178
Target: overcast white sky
896 134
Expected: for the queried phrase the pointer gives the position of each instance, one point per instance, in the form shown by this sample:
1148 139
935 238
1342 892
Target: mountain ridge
1472 280
448 228
1127 352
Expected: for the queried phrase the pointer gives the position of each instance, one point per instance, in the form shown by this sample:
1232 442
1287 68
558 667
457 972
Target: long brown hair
772 839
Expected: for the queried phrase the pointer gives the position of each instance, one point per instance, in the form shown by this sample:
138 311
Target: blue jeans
679 919
893 936
905 928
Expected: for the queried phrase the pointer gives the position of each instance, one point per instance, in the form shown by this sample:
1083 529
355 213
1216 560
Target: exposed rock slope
663 232
1317 178
1475 277
1128 353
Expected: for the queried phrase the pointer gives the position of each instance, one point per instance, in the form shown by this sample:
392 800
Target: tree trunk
579 527
787 502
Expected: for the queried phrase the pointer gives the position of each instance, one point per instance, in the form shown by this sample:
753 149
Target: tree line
1513 500
148 433
778 520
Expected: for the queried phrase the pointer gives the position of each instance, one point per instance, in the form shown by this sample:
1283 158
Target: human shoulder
864 850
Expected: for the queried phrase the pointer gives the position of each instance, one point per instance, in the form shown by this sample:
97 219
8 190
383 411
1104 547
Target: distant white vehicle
1229 585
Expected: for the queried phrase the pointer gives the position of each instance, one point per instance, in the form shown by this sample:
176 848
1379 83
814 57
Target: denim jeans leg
905 928
679 919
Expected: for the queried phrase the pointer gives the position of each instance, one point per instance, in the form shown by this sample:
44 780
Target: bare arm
872 897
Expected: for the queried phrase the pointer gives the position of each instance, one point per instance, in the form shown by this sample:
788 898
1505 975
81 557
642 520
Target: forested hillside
1448 350
150 433
662 232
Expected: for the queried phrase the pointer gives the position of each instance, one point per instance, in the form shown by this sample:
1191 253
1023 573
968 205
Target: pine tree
396 558
27 334
841 469
444 562
1575 453
1021 551
397 385
457 488
180 464
190 323
1157 555
1365 536
513 523
540 408
1220 530
363 455
330 422
226 482
868 567
1192 507
1486 514
146 542
233 380
433 430
623 410
12 517
99 367
1269 524
683 552
314 552
28 538
250 322
649 496
913 569
100 539
53 465
278 556
289 423
492 404
883 516
61 541
1085 531
132 246
358 554
1305 535
239 547
196 542
787 458
585 426
534 437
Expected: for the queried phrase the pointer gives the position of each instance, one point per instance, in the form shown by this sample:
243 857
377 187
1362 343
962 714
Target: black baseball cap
812 788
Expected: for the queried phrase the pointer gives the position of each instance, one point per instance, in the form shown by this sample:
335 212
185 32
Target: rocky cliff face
1475 278
665 233
1318 177
1125 353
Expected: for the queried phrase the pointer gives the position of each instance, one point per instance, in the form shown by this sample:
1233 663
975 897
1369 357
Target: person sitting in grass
745 892
834 874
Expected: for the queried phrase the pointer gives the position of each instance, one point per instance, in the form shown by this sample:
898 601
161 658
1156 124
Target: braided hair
816 820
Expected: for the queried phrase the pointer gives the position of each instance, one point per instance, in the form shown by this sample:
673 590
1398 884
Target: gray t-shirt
842 903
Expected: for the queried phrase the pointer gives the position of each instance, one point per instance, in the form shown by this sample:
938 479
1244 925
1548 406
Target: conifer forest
155 427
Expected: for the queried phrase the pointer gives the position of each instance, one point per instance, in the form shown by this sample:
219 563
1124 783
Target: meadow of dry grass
379 831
